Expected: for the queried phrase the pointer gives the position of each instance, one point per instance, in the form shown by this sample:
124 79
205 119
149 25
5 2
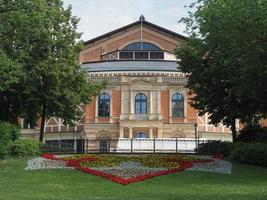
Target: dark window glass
141 55
103 105
177 105
126 55
140 104
140 135
156 55
28 122
138 46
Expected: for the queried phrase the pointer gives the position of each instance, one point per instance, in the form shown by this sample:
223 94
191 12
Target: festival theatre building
145 95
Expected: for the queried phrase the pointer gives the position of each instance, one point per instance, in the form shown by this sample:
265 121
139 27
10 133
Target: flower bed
132 168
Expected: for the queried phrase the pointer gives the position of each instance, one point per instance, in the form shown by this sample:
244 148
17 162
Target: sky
98 17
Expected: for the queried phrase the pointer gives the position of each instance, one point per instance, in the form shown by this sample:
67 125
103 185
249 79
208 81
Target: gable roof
134 24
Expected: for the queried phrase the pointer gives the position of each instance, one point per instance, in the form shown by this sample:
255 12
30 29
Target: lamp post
195 125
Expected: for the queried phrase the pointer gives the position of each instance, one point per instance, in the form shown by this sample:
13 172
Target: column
111 108
131 102
121 132
151 132
159 132
159 105
159 101
96 109
130 132
150 102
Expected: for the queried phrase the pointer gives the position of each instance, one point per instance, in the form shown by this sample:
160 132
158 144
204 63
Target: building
145 96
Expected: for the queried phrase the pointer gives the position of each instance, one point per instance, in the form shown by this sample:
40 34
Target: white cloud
101 16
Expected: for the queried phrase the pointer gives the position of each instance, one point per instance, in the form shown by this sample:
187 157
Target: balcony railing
139 55
140 116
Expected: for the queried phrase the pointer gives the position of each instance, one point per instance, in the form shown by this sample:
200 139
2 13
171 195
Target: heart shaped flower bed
125 169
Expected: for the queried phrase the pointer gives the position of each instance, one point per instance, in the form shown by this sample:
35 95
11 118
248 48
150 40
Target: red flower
76 163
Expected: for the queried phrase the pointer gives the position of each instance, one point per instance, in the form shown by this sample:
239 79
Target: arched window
140 135
137 46
103 105
140 104
177 105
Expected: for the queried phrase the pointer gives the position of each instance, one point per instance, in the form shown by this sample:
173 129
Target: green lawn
246 183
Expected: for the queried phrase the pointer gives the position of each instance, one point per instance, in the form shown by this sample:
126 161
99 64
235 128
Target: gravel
42 163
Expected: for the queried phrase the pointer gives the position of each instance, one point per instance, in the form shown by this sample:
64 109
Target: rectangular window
156 55
141 55
126 55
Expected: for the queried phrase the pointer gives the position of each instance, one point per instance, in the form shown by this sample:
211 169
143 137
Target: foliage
253 134
25 148
251 153
216 148
8 133
225 57
41 37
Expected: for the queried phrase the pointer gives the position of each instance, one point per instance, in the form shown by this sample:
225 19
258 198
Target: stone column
159 101
96 109
150 102
159 105
151 132
121 132
131 102
130 132
159 132
111 108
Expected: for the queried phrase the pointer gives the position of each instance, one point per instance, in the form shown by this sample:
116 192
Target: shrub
8 133
251 153
253 134
25 148
216 147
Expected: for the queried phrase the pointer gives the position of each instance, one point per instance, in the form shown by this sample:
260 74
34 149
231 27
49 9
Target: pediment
119 38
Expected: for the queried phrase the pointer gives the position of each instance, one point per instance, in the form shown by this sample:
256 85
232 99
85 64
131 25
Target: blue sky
101 16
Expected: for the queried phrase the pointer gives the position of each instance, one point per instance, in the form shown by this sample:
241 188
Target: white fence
125 145
185 145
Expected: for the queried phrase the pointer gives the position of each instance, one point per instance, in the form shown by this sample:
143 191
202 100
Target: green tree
225 57
41 35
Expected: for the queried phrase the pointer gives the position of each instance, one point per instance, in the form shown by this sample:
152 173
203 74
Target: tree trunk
41 138
233 129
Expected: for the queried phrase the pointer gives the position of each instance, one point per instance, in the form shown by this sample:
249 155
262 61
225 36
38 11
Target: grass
247 182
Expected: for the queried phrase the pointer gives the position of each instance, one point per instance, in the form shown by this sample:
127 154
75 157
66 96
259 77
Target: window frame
180 101
139 102
102 111
140 132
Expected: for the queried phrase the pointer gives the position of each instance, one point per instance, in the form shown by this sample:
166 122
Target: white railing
184 145
140 116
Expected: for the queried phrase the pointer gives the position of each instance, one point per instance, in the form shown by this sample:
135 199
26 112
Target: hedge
8 133
216 147
251 153
25 148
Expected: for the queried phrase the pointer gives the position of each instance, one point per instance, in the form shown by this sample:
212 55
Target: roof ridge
133 24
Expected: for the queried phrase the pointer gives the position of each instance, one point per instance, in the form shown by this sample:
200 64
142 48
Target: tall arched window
145 46
103 105
177 105
140 104
140 135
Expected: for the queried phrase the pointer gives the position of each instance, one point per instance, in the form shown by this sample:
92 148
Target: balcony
140 117
139 55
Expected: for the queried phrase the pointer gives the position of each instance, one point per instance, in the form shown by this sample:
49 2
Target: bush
25 148
8 133
253 134
251 153
216 147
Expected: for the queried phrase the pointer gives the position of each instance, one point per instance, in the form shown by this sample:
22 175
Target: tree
44 33
225 59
